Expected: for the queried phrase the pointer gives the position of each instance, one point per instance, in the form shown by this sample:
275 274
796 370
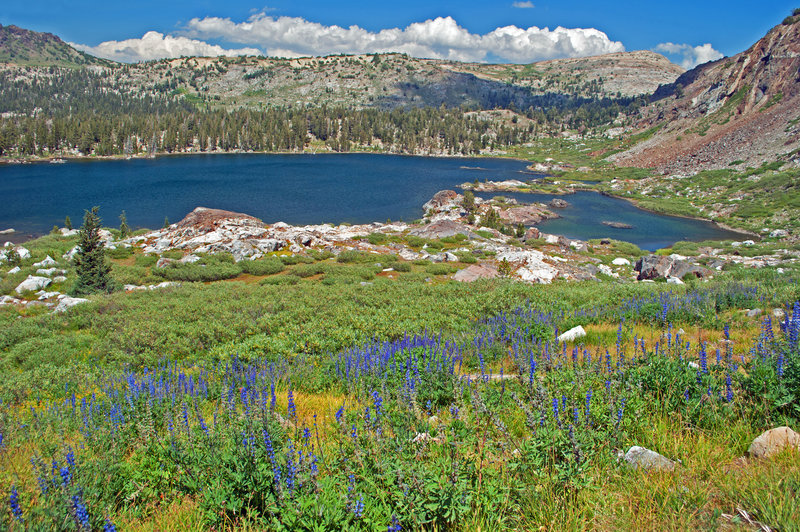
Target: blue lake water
584 217
297 189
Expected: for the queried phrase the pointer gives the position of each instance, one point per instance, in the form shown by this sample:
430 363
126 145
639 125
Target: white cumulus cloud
690 56
154 45
523 5
440 38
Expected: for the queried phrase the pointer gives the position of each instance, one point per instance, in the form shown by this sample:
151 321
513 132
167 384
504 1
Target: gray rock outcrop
643 458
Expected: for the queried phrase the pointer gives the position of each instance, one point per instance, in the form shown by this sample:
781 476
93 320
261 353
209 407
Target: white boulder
32 283
46 263
619 261
69 302
572 334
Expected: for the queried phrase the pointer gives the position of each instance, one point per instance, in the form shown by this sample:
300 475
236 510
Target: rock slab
774 441
572 334
643 458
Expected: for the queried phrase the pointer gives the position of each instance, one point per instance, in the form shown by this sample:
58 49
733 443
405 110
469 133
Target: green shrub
174 254
320 254
119 253
291 260
415 241
400 266
267 266
376 239
354 256
466 257
441 269
308 270
280 280
208 268
145 260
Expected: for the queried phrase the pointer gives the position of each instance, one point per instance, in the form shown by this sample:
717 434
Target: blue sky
465 30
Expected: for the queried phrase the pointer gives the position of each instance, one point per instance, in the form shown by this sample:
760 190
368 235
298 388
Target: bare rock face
658 266
525 215
774 441
739 105
203 218
443 198
475 272
442 229
531 234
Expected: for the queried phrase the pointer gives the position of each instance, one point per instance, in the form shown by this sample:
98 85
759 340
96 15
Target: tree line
63 112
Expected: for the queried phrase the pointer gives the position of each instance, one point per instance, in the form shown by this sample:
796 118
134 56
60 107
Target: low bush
266 266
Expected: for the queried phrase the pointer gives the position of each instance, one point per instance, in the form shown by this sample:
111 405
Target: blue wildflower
80 513
13 502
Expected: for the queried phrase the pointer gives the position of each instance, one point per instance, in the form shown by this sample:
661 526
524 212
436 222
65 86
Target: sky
688 32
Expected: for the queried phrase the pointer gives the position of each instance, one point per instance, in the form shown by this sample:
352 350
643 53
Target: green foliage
92 269
377 239
466 257
441 268
354 256
124 230
208 268
291 260
265 266
68 223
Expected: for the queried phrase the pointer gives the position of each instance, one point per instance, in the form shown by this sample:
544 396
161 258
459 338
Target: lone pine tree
90 261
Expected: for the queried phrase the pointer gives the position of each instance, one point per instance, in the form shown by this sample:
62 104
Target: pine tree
124 230
90 261
68 223
166 222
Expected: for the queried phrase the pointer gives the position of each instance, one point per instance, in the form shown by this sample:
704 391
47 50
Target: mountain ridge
22 47
390 79
734 112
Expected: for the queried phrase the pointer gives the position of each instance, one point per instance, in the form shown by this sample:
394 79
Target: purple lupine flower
291 468
555 411
703 358
291 409
728 388
621 411
377 401
588 403
13 502
276 470
80 513
66 476
109 526
358 507
395 525
339 414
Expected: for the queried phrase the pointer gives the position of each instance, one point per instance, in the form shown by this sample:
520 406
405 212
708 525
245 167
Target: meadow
294 397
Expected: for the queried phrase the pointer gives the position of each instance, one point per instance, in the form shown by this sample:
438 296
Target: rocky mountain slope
735 112
371 80
23 47
393 80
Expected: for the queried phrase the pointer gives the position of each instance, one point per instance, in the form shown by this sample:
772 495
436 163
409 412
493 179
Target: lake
297 189
583 219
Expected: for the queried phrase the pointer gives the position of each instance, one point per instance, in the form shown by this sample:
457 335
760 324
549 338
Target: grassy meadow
326 393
